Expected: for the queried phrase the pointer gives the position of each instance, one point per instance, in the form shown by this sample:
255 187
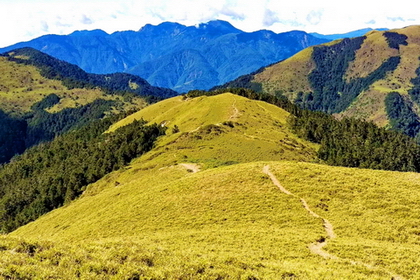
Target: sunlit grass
290 76
230 222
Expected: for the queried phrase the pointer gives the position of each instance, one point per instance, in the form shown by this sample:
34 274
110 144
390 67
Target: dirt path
276 182
317 246
235 113
191 166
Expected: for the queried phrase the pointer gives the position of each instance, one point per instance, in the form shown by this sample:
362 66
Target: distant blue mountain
352 34
173 55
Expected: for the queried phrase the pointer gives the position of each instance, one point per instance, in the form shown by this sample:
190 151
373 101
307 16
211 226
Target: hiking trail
317 246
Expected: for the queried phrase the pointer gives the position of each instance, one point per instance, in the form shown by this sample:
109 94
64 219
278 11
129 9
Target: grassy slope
232 222
22 85
289 76
158 219
259 132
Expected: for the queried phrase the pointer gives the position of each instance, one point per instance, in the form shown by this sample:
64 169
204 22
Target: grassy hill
364 77
222 129
226 194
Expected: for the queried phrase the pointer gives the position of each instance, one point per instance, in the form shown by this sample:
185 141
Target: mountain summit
173 55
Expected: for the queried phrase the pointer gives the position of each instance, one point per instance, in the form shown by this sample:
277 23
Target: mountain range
351 34
172 55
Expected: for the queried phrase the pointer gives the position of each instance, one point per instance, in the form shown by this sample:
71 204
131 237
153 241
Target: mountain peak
219 25
166 26
95 32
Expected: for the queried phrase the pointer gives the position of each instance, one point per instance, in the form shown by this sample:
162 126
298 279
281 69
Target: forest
332 93
51 174
18 134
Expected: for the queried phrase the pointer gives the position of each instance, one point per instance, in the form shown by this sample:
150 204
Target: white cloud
270 18
25 19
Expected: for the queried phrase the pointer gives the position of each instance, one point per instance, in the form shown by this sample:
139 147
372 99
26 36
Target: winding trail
317 246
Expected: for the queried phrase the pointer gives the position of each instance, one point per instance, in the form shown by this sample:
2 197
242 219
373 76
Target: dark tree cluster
395 39
327 79
18 134
401 115
51 174
44 126
332 93
356 143
415 91
12 136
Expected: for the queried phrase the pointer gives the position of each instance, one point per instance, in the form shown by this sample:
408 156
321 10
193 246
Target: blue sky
22 20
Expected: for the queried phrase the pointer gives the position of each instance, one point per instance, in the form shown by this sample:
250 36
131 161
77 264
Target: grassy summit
354 77
221 129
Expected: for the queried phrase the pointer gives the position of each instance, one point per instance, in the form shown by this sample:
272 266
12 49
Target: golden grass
375 213
290 76
231 222
369 106
373 52
155 219
218 130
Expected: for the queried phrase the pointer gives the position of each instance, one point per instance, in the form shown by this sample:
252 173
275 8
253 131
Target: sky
23 20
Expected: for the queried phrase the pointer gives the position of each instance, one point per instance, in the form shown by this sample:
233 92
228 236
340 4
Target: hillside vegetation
353 77
226 194
42 97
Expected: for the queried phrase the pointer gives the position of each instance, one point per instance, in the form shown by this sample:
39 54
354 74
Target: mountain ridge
355 33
